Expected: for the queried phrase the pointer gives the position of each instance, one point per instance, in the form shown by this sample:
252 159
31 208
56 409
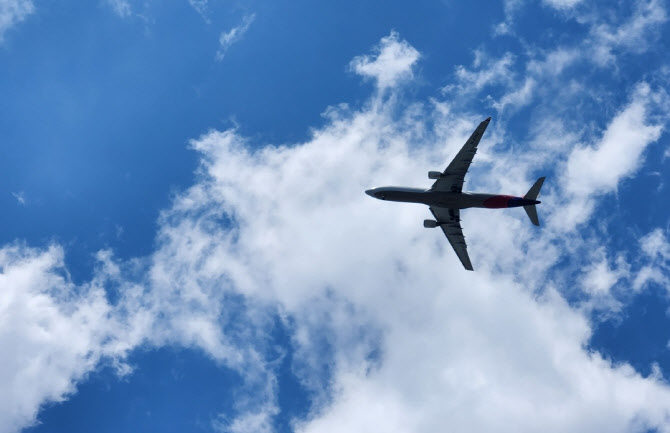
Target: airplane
446 197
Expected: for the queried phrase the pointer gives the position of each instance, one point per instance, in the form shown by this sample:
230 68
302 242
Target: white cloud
655 247
553 63
517 98
649 274
599 168
475 352
54 332
13 12
459 351
601 49
562 4
510 7
249 422
600 277
199 5
227 39
611 33
392 62
20 197
121 7
523 370
634 34
489 71
51 332
541 70
390 332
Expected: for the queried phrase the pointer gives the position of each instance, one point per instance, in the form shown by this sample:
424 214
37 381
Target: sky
186 245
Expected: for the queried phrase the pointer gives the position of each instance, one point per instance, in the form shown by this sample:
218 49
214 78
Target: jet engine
430 224
435 175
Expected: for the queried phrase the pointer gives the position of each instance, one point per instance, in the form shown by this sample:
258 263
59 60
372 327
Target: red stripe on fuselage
497 201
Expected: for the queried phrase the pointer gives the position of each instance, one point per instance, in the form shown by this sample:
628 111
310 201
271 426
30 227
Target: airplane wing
452 177
450 221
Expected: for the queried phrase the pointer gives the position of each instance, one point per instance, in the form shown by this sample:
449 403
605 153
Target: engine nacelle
430 224
435 175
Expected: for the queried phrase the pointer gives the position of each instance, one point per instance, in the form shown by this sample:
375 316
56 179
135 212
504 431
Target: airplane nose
370 192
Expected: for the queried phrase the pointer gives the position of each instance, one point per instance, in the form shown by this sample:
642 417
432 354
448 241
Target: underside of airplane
446 197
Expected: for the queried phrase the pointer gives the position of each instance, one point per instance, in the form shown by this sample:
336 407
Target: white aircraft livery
446 197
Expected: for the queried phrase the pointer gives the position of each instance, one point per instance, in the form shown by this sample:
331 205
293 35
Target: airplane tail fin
534 190
532 194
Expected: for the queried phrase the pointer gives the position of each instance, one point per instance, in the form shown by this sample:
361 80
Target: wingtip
488 119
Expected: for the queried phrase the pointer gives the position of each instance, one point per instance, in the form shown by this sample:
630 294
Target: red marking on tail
497 201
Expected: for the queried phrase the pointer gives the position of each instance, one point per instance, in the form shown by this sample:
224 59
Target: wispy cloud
20 197
655 247
13 12
511 9
199 5
120 7
562 4
488 71
609 35
633 35
227 39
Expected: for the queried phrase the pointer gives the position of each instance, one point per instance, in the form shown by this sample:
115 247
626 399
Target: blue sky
185 244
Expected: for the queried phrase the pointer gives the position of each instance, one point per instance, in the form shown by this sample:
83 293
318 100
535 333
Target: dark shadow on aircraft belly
450 200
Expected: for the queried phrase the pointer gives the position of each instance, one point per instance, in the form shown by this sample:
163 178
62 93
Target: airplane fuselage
446 199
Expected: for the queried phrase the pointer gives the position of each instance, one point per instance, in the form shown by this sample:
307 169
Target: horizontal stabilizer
532 214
